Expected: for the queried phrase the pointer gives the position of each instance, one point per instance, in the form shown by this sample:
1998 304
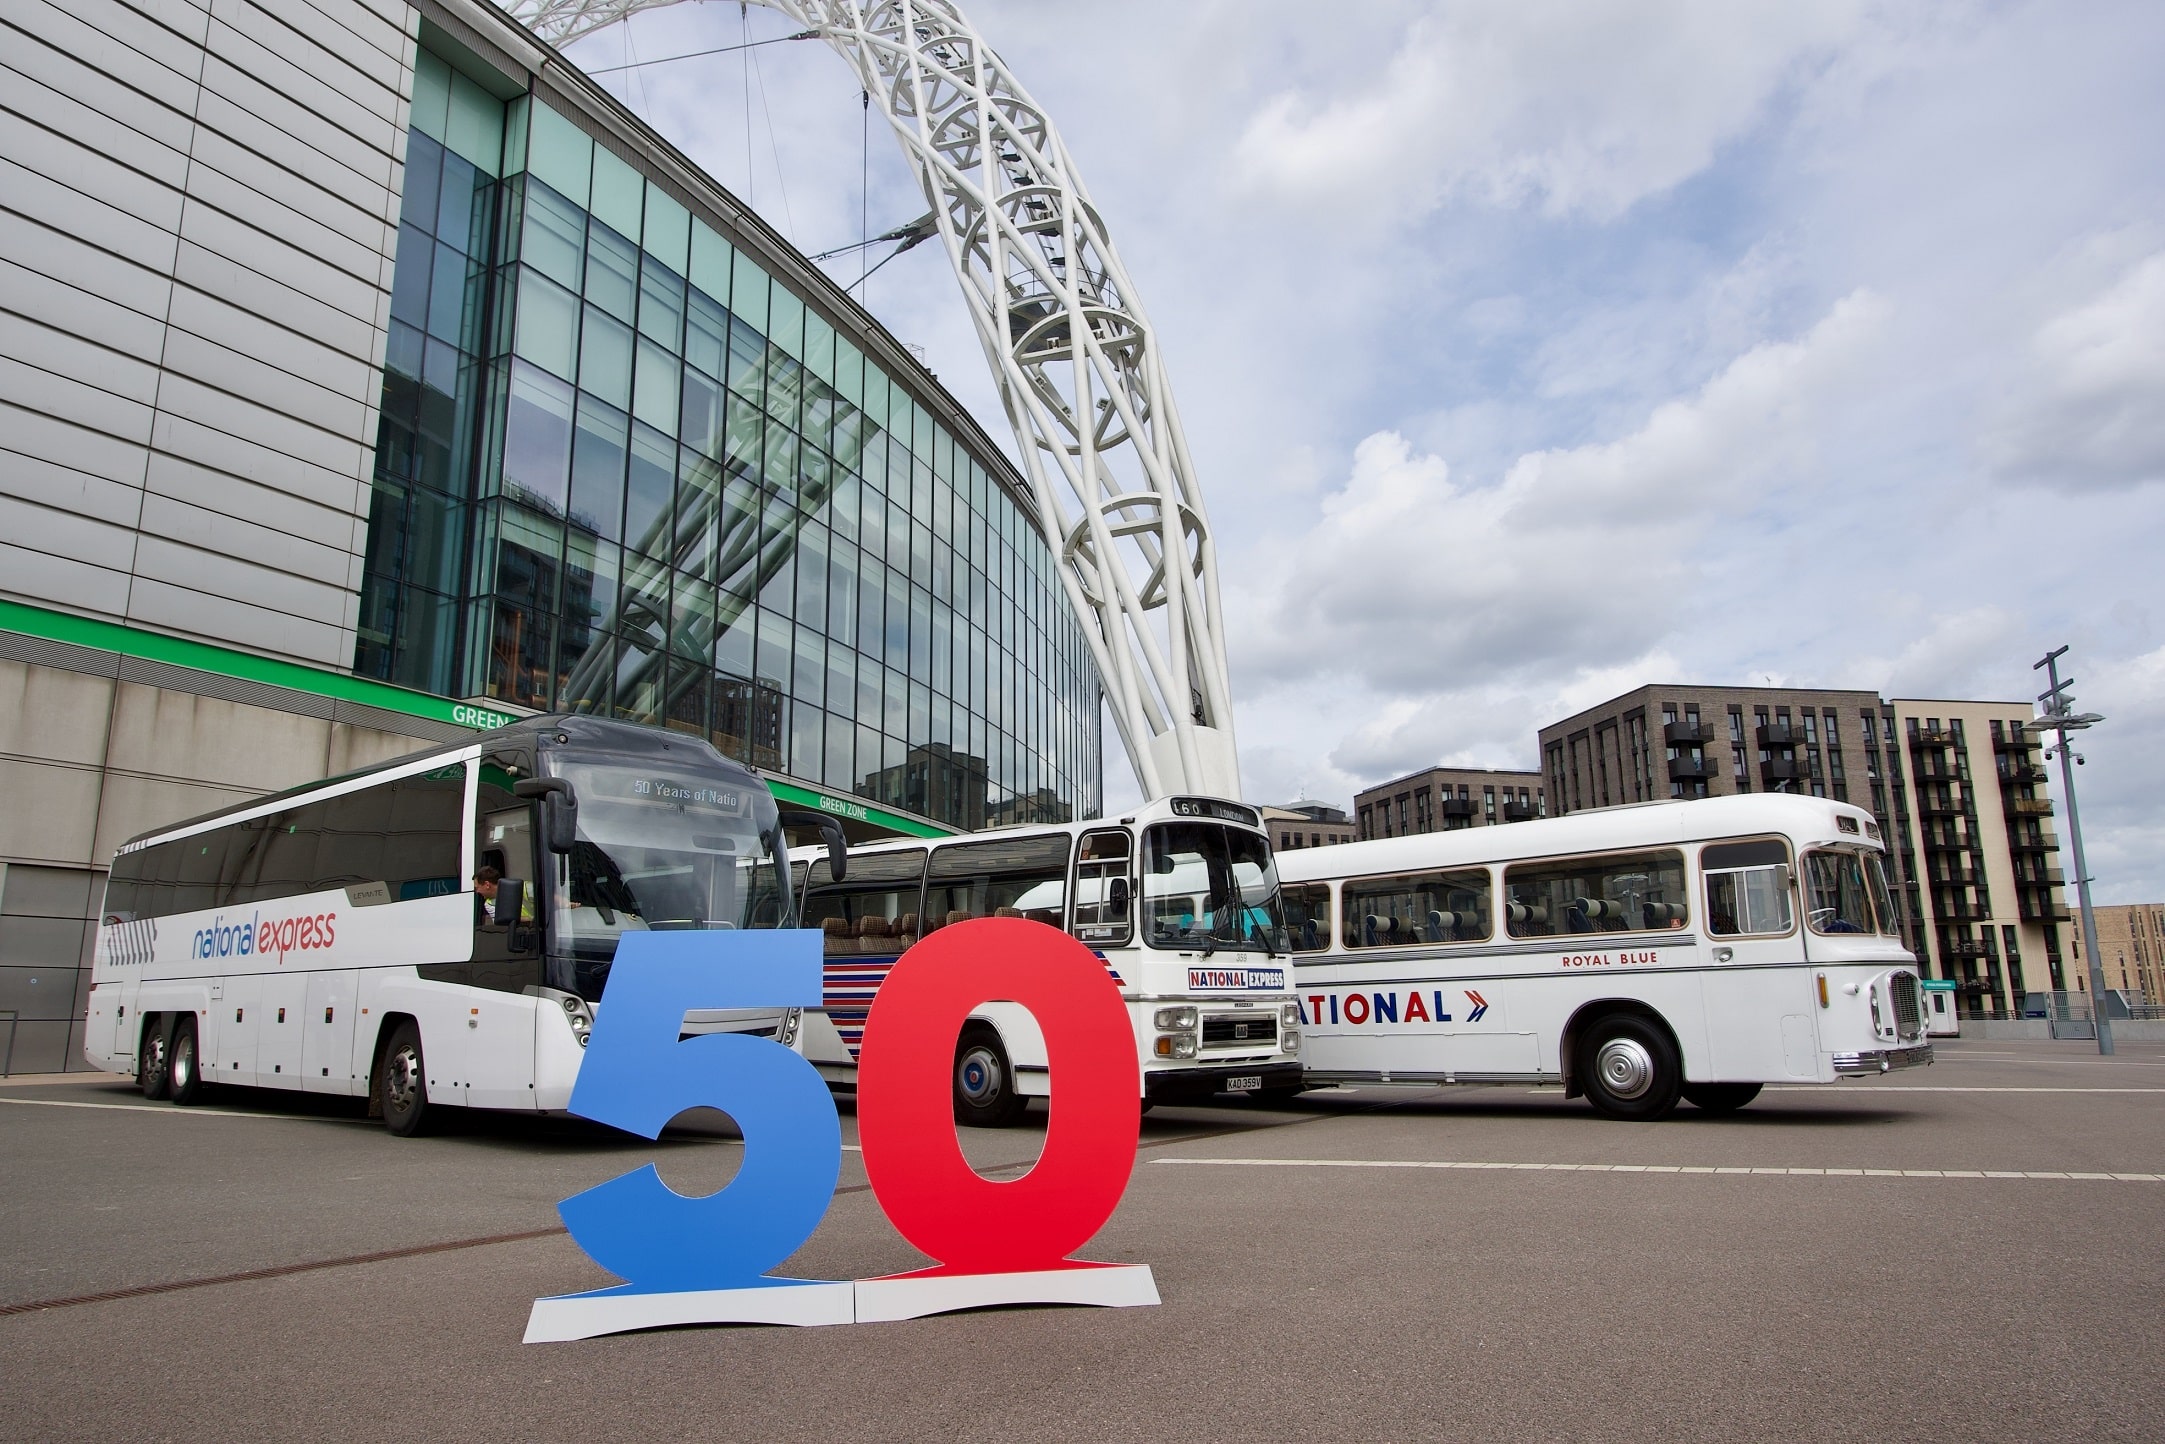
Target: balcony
1685 769
2019 742
1516 811
1456 807
2037 844
2029 807
2014 770
1938 807
2043 877
1953 842
1785 769
2042 912
1955 875
1686 734
1779 734
1932 737
1963 948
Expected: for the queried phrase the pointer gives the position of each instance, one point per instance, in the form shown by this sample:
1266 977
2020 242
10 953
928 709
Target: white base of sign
586 1316
1111 1286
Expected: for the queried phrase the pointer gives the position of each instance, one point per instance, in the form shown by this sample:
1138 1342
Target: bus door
496 1040
1756 987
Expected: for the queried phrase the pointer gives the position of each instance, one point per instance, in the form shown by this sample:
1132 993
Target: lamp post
2057 714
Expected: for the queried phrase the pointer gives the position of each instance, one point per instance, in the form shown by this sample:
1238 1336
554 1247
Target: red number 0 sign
905 1108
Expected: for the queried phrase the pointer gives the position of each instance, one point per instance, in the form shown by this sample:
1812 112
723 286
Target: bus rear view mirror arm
830 832
559 809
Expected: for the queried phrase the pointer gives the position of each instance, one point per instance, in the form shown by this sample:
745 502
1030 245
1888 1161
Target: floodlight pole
2059 716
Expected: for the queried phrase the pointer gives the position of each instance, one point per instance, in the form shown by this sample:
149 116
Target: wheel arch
1593 1012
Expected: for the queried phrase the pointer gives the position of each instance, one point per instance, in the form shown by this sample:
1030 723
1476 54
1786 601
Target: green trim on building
247 666
129 641
856 811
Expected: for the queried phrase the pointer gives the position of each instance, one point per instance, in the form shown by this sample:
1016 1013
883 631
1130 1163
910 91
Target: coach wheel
1720 1097
402 1083
184 1065
153 1060
1630 1069
985 1095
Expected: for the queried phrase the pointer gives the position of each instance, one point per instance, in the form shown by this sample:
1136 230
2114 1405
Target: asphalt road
1867 1278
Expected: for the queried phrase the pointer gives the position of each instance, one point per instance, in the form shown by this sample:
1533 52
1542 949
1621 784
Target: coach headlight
1176 1020
1290 1041
579 1016
1289 1015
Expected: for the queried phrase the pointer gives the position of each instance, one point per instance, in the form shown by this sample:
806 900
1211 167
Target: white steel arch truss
1072 354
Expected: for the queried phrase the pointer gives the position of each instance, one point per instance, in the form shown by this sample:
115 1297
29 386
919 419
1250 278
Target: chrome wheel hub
402 1082
1625 1068
978 1075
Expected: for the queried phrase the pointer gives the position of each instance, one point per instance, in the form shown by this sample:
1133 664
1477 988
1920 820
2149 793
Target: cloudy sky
1534 351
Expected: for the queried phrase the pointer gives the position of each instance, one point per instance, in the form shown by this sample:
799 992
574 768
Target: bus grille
1240 1030
1908 1005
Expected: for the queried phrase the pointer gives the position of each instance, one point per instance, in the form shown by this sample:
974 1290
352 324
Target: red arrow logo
1480 1006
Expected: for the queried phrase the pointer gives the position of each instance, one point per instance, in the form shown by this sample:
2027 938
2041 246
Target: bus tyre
153 1060
1720 1097
402 1082
184 1064
1630 1069
985 1095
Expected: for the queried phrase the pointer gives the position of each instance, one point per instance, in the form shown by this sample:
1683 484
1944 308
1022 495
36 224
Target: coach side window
1308 915
1747 888
1431 907
874 911
1020 877
1618 893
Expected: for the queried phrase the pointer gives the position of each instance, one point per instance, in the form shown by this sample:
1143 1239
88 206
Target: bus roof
575 730
1595 830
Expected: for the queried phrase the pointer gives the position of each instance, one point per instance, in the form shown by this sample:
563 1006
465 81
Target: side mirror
1117 892
559 810
510 902
830 832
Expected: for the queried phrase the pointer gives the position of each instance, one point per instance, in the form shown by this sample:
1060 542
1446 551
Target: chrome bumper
1886 1060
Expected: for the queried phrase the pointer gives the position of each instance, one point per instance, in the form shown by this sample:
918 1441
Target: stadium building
370 376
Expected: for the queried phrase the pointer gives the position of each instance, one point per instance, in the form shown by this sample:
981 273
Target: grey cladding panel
63 581
86 314
239 577
86 172
246 226
305 522
109 38
365 150
236 623
215 531
54 484
344 377
30 200
52 439
342 331
71 99
184 396
37 390
67 534
262 383
287 57
273 471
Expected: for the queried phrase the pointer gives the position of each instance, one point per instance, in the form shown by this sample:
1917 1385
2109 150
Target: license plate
1249 1083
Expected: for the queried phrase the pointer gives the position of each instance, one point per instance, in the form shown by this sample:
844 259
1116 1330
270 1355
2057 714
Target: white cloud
1962 654
2093 413
1577 559
1585 107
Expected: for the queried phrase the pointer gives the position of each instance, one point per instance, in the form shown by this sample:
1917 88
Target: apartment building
2130 949
1957 787
1306 824
1441 799
1978 851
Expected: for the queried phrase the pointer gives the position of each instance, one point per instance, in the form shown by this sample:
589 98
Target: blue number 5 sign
639 1073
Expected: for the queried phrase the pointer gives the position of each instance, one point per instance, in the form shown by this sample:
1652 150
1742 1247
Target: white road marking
1650 1168
1942 1088
171 1112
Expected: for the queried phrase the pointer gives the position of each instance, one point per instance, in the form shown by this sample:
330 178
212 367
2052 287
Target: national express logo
258 937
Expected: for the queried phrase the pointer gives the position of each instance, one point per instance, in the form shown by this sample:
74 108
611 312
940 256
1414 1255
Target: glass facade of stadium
627 465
